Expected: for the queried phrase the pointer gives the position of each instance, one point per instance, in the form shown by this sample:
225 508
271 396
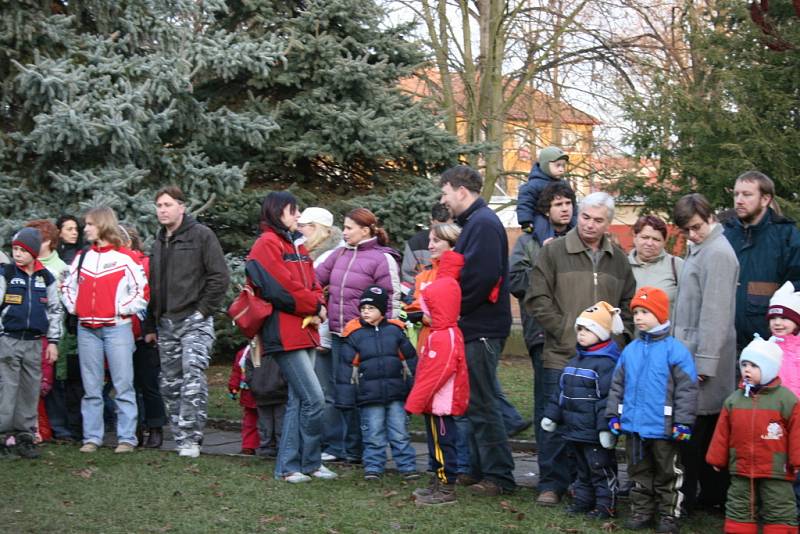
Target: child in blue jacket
653 400
30 311
381 359
578 407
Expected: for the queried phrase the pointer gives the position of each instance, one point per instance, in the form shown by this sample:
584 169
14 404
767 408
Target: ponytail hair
366 219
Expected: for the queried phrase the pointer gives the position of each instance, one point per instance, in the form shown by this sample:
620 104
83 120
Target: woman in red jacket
283 273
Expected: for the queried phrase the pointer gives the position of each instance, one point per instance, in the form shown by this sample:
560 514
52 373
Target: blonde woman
322 238
104 289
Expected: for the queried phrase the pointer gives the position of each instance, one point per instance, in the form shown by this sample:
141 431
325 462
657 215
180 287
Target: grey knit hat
30 239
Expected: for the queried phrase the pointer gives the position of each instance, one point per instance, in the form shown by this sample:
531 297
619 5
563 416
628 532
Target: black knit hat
375 296
28 238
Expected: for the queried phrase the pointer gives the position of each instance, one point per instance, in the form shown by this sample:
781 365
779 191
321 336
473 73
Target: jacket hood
334 240
188 222
769 218
450 264
538 174
357 323
606 349
442 298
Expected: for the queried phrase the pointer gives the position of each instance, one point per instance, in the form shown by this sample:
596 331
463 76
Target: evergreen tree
105 101
98 105
735 107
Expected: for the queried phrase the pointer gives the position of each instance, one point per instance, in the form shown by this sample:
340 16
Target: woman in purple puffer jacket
363 261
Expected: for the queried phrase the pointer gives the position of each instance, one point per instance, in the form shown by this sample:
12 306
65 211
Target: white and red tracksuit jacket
108 290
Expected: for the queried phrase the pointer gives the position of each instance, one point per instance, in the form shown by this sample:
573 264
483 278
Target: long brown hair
365 218
105 220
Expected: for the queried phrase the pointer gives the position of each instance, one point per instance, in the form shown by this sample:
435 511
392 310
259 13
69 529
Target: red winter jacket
758 436
441 386
246 399
108 290
140 258
283 274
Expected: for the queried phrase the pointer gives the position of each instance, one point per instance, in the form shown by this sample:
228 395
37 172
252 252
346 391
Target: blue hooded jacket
528 203
654 386
579 404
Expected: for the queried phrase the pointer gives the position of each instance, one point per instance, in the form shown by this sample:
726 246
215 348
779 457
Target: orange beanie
654 300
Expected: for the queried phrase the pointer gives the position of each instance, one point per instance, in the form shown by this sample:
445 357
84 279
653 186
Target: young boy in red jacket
441 389
757 439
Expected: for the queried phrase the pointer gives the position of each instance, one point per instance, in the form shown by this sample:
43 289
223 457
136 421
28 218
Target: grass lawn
153 491
515 372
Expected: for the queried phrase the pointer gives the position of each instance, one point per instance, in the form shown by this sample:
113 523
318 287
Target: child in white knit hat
757 439
784 322
581 396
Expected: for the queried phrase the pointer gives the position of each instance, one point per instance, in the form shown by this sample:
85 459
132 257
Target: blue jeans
350 441
115 345
382 425
554 464
491 453
301 437
463 431
332 419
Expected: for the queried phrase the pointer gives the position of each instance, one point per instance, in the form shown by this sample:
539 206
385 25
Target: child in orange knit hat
653 400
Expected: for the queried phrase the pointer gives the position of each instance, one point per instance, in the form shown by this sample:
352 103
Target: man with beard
767 246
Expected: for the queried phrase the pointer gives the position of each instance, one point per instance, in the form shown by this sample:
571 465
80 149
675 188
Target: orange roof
427 84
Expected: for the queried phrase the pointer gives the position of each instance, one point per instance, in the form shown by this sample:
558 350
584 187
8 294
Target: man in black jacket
485 322
188 280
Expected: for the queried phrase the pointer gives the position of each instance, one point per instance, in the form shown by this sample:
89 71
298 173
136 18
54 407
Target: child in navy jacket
30 310
578 407
381 359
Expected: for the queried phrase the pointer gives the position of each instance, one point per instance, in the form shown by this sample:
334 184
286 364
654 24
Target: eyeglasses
693 228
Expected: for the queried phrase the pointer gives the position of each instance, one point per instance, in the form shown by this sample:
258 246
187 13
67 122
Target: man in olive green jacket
571 274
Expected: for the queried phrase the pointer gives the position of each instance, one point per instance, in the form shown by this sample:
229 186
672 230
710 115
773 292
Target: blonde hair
105 220
447 232
321 233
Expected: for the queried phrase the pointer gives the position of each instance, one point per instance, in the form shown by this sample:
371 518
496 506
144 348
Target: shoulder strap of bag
674 270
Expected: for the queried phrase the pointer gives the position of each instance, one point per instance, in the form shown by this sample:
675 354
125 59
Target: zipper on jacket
594 274
341 292
30 298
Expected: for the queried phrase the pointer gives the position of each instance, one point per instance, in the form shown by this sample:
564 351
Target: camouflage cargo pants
185 349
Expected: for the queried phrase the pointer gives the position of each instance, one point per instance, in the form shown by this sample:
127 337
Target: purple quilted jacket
349 270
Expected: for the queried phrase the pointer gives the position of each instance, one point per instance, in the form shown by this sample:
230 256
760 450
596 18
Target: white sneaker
296 478
189 451
324 473
328 457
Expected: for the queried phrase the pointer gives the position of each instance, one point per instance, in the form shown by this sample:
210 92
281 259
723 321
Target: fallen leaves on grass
86 473
266 519
389 493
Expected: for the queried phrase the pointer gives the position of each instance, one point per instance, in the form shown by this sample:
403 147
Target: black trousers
596 486
146 369
712 485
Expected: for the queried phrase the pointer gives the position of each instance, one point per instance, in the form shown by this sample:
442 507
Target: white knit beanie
766 354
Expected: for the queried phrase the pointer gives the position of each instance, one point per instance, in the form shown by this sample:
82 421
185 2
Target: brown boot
155 439
445 494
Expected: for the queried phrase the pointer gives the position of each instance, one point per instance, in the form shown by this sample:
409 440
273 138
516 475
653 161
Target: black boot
26 448
140 435
155 439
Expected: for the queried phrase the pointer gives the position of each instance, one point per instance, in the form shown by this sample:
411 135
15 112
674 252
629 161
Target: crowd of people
643 345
